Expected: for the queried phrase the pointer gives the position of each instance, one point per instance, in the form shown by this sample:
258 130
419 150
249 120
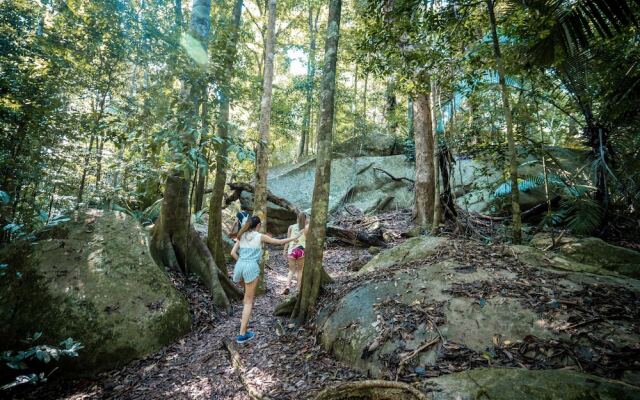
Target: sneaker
244 338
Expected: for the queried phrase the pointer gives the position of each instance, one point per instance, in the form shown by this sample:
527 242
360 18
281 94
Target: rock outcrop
92 280
522 384
594 252
432 306
376 181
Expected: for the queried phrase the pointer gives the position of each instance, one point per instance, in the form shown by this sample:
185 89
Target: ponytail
249 225
302 220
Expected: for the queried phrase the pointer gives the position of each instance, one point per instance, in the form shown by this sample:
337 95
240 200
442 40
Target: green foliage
34 357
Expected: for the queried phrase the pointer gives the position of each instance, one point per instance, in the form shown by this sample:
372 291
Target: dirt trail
282 362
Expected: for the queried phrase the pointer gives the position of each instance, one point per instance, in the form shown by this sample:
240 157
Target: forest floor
287 362
281 362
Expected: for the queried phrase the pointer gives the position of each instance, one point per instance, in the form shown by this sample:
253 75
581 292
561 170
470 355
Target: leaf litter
288 362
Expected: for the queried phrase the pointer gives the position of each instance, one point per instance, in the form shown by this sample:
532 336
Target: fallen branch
240 187
583 323
236 361
372 389
356 238
414 353
402 178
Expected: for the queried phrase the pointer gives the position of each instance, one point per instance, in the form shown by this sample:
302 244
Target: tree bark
410 118
85 170
390 105
100 147
214 238
262 157
314 276
175 243
262 153
310 86
437 207
425 174
506 108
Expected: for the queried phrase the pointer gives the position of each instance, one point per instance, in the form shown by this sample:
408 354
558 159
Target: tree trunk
310 86
262 156
364 103
100 147
437 207
425 174
314 276
410 121
262 160
214 239
175 243
506 108
85 170
390 105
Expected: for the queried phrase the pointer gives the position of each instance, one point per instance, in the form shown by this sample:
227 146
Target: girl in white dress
248 253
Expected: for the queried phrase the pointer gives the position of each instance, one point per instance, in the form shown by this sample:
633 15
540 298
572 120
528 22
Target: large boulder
372 180
413 249
457 304
522 384
92 280
595 252
361 182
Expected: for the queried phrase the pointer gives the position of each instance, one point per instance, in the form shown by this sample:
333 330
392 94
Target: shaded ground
284 362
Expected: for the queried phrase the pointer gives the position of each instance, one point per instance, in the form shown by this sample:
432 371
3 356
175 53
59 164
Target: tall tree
312 21
314 275
175 243
214 239
425 173
506 109
262 156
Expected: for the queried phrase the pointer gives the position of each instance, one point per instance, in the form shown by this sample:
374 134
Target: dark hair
250 225
302 220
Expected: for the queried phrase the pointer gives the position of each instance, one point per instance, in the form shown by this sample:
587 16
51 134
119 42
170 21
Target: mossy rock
97 284
470 301
413 249
522 384
594 251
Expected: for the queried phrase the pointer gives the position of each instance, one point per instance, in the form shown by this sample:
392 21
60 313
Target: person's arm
234 251
270 240
233 232
286 245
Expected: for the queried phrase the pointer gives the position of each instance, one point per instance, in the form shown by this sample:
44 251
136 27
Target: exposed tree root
285 308
175 244
236 361
372 389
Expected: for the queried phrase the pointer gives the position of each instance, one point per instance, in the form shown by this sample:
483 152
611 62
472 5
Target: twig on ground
236 361
378 389
413 354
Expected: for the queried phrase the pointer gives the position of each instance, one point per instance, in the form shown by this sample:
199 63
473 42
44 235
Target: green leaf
4 197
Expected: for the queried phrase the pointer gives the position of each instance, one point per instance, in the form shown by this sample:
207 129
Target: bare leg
292 269
299 267
249 291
